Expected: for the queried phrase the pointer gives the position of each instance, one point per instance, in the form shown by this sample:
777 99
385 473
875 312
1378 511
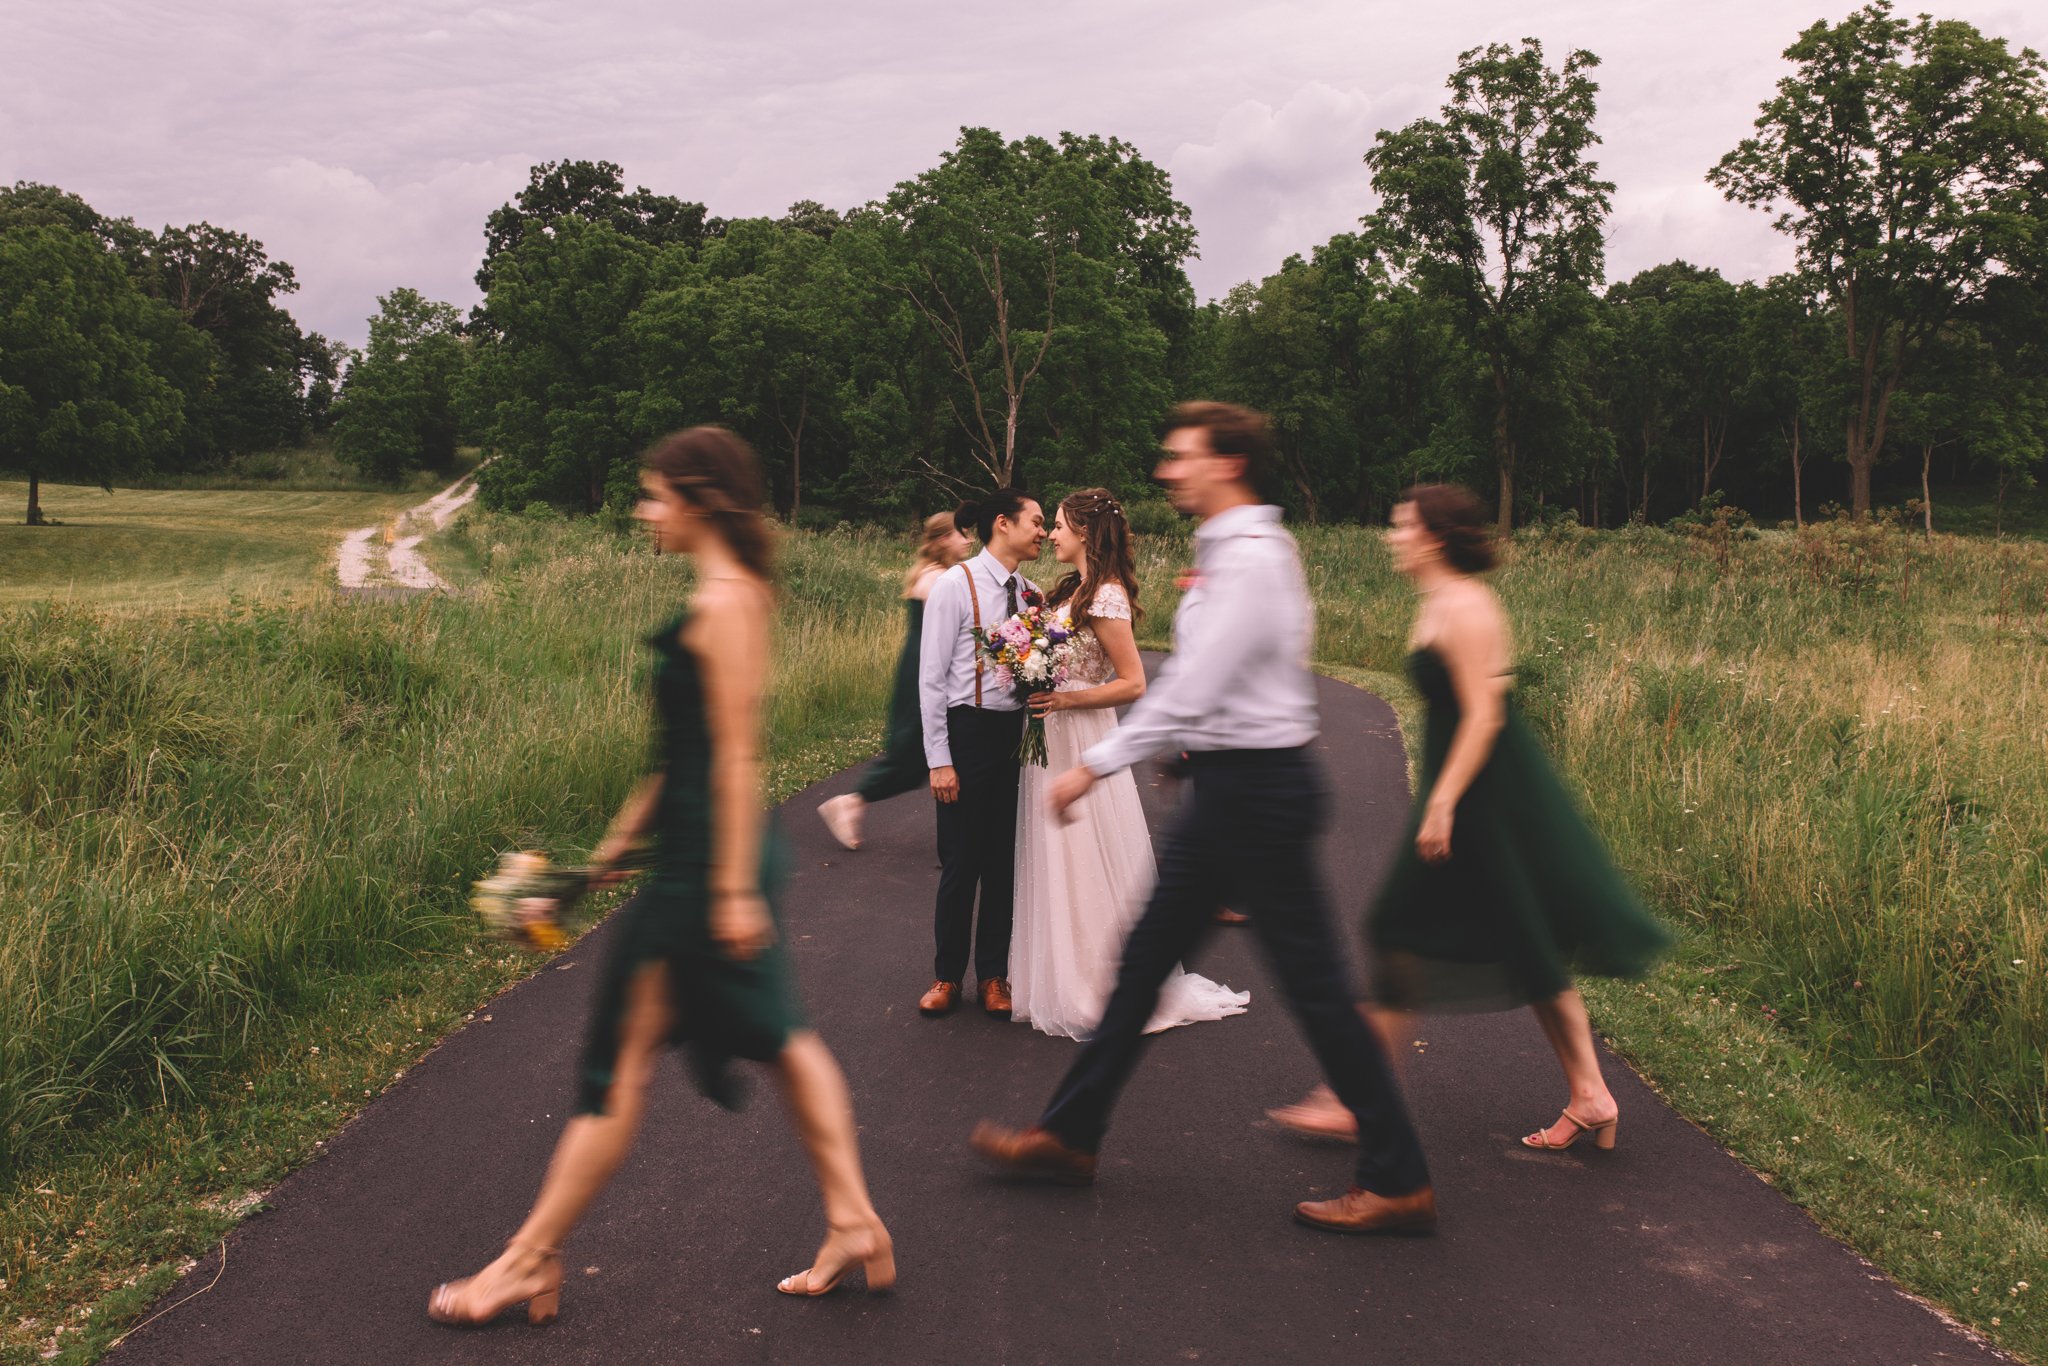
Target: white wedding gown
1081 885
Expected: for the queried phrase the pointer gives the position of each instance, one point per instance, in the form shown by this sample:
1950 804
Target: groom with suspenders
1238 698
973 723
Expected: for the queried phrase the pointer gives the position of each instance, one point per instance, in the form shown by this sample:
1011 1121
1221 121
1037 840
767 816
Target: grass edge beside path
157 1191
1875 1169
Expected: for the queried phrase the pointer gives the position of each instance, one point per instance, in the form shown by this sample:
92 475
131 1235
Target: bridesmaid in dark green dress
902 767
1500 894
695 961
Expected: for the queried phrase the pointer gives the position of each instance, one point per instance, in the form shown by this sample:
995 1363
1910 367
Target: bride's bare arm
1120 644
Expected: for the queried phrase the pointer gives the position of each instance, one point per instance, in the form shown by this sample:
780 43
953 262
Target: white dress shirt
945 660
1238 677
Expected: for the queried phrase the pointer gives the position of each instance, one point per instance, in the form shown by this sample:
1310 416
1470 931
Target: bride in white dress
1082 883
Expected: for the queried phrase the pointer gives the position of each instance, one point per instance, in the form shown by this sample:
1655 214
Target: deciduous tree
1907 160
80 397
1045 275
594 192
1496 207
398 405
554 389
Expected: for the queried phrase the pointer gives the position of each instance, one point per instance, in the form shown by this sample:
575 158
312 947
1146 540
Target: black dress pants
1248 831
978 845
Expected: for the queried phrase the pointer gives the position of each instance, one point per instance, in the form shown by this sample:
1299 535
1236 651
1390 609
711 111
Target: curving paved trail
1666 1250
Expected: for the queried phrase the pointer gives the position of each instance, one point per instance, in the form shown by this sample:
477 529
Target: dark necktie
1011 584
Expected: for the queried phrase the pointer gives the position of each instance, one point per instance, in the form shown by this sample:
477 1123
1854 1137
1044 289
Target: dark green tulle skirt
1528 900
723 1008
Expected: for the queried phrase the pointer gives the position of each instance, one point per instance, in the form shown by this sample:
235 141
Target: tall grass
1823 755
205 818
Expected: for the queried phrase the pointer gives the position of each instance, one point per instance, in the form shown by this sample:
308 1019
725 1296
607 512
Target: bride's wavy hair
1106 540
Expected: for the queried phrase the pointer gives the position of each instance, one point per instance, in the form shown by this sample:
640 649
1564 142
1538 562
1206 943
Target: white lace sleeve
1111 603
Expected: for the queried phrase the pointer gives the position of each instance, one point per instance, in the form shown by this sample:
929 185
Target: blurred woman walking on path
695 960
902 767
1500 892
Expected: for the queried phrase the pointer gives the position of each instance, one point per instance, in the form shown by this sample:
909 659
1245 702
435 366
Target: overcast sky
365 142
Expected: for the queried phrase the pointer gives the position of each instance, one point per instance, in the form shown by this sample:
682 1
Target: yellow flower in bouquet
524 899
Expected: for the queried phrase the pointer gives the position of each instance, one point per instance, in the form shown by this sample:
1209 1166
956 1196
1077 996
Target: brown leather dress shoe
1360 1211
995 996
941 999
1033 1152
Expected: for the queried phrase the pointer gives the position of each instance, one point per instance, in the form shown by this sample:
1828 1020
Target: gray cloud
365 143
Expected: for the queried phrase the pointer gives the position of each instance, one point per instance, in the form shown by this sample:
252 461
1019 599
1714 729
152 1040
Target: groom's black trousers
1248 832
978 845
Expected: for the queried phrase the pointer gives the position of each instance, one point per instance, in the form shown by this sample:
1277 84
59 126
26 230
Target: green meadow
240 824
167 549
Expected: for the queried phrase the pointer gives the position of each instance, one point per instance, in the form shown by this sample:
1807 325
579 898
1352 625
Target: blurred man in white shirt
1238 698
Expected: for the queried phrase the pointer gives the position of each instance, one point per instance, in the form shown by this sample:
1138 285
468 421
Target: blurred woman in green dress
695 960
902 767
1500 893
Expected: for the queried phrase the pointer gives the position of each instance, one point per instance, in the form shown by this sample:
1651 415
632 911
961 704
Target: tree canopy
1909 160
248 378
400 414
81 395
1020 312
1496 208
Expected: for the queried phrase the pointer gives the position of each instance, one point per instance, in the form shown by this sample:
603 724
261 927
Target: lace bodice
1091 667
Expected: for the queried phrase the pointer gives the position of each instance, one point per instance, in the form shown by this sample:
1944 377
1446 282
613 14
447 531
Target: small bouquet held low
524 900
1031 651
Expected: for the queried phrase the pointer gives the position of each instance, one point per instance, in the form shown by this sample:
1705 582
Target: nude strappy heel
542 1306
1603 1134
878 1264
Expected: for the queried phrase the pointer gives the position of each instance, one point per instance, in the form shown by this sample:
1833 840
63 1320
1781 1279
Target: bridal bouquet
524 899
1034 648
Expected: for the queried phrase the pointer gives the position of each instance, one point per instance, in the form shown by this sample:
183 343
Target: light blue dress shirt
945 664
1242 639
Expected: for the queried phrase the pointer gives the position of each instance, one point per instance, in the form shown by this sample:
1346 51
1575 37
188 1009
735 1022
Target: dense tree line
123 348
1465 332
1021 313
1018 312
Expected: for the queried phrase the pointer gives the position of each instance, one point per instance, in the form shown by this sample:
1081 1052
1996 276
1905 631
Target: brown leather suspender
975 598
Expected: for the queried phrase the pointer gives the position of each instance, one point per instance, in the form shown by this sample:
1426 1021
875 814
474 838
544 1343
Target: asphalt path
1184 1249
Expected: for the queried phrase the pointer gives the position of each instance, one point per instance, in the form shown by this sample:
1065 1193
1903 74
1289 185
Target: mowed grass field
168 548
240 835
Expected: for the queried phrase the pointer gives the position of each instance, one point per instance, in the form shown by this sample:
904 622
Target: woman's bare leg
1393 1027
822 1109
589 1153
1320 1114
1570 1032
